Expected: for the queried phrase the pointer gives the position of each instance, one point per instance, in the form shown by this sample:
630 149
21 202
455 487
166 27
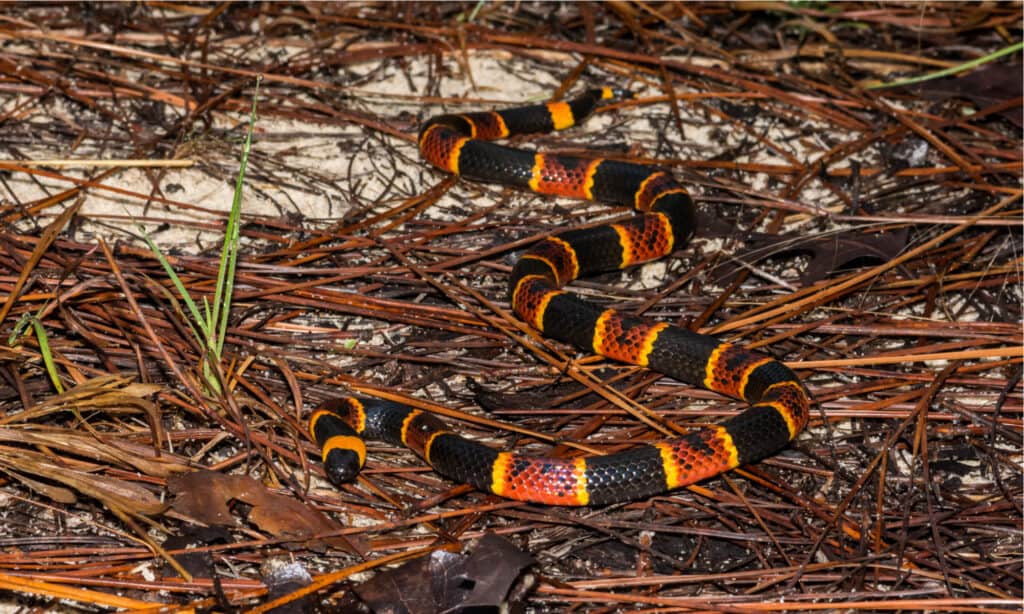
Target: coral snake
779 403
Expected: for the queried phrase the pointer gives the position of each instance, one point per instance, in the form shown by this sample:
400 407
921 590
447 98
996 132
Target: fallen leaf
205 496
199 563
480 578
847 250
112 492
109 394
986 87
828 254
105 449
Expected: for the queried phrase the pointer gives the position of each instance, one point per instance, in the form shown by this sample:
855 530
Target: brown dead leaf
828 254
110 394
112 492
56 493
480 578
99 448
986 87
205 496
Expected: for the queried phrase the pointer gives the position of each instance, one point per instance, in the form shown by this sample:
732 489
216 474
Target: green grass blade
229 252
952 70
180 287
19 328
176 305
47 354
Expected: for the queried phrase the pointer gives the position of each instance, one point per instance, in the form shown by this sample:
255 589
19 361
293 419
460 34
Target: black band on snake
665 221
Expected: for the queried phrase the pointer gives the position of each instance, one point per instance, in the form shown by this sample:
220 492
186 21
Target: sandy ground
373 177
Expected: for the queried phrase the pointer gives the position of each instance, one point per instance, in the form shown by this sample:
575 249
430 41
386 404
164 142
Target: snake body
665 221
